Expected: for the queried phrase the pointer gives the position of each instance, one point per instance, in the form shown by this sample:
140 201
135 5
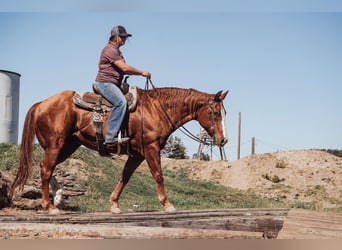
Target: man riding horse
112 67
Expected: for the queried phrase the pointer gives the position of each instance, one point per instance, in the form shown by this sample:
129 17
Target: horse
61 127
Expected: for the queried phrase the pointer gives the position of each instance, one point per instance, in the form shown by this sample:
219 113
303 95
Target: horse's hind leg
47 165
53 156
57 191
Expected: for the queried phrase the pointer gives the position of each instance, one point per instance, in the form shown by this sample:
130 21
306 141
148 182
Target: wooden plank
108 231
269 226
305 224
107 217
265 221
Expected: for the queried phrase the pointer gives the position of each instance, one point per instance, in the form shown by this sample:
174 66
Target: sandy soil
303 175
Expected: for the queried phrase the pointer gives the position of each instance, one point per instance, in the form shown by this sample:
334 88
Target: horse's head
212 117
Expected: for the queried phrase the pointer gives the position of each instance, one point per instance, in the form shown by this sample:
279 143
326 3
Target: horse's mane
177 99
173 94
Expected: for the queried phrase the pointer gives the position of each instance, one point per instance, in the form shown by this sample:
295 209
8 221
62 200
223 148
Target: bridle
184 130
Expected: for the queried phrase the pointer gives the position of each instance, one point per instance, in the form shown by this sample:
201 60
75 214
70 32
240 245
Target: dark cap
120 31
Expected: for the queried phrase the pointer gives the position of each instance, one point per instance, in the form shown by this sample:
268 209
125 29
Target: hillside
305 179
311 177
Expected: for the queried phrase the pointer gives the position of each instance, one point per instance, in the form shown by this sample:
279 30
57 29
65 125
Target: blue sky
282 68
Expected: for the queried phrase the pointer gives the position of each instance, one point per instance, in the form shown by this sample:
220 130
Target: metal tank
9 106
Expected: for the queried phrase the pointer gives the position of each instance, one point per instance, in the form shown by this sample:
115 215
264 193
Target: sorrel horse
61 128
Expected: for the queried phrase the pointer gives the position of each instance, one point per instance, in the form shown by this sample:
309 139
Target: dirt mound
303 175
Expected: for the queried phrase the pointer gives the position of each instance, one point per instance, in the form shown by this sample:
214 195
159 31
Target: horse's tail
26 150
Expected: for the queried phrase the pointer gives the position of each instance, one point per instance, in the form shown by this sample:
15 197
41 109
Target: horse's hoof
54 211
170 209
115 210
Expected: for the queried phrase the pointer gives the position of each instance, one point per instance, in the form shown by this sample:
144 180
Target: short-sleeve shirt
108 72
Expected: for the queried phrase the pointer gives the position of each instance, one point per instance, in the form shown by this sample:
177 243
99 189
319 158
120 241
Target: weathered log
266 221
108 231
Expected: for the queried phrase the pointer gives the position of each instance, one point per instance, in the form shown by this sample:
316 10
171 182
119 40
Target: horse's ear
220 96
224 94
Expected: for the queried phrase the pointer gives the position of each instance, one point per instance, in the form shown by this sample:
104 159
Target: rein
184 130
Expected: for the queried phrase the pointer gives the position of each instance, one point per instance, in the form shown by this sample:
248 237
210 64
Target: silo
9 106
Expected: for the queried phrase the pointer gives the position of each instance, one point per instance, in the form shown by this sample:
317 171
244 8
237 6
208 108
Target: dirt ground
302 175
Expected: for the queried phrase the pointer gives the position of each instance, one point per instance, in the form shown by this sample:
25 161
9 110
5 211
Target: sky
281 63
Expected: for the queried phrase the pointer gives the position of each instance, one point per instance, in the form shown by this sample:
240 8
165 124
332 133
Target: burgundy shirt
108 72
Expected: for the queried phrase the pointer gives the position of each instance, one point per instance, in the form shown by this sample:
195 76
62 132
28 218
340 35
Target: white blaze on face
223 115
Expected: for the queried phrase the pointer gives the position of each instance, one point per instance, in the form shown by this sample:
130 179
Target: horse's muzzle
221 142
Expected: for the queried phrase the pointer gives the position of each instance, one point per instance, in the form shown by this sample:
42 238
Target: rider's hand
146 74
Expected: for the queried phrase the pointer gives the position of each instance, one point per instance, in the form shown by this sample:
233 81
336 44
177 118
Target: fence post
253 145
239 135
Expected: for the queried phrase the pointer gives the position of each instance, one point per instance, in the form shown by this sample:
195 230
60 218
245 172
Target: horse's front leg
154 163
130 166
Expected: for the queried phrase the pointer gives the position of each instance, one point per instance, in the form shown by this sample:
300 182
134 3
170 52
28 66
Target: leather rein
184 130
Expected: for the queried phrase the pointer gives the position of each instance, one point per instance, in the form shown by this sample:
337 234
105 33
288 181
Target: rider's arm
127 69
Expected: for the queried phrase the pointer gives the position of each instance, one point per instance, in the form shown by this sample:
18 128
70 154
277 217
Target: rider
112 67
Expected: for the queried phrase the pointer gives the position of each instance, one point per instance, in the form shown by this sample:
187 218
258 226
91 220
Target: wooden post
239 135
253 145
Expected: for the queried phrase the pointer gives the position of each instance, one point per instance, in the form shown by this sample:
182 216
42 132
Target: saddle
95 101
99 105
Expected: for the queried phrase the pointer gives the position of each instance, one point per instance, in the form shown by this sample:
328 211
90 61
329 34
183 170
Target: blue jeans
113 94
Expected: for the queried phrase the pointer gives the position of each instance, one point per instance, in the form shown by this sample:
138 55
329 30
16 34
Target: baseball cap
119 30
